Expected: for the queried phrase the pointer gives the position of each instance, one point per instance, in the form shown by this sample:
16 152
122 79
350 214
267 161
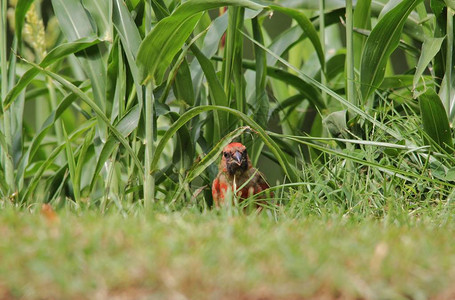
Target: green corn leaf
362 20
76 23
262 100
434 119
307 27
383 40
430 48
71 165
183 86
168 36
22 7
83 159
130 37
101 13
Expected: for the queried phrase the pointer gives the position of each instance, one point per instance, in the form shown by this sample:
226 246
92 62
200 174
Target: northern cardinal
236 169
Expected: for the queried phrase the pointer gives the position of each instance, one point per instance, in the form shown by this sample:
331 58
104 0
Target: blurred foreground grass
208 255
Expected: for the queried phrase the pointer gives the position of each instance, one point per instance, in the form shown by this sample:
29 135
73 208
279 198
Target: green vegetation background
113 115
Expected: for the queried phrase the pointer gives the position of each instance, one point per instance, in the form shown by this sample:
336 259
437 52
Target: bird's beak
237 157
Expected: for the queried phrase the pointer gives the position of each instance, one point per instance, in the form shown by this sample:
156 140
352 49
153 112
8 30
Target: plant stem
322 38
8 161
350 91
448 67
149 179
149 182
53 99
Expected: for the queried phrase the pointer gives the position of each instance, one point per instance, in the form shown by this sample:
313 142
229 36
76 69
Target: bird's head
235 160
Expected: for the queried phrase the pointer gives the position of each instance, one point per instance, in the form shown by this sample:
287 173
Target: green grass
208 255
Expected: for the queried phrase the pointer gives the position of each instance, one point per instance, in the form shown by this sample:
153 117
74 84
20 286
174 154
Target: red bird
236 169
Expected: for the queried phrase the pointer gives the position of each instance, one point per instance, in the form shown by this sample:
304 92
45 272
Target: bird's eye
225 154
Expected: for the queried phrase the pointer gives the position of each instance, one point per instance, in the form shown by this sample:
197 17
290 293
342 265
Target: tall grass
142 95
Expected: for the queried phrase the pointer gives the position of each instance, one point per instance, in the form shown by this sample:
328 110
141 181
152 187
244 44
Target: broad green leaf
362 20
71 165
218 96
261 102
438 170
283 42
437 6
232 73
304 87
290 37
335 65
434 119
184 147
55 55
401 81
76 23
383 40
22 7
430 48
105 153
183 86
216 88
307 27
101 13
130 121
160 9
130 37
83 159
73 19
214 35
450 174
336 124
164 41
